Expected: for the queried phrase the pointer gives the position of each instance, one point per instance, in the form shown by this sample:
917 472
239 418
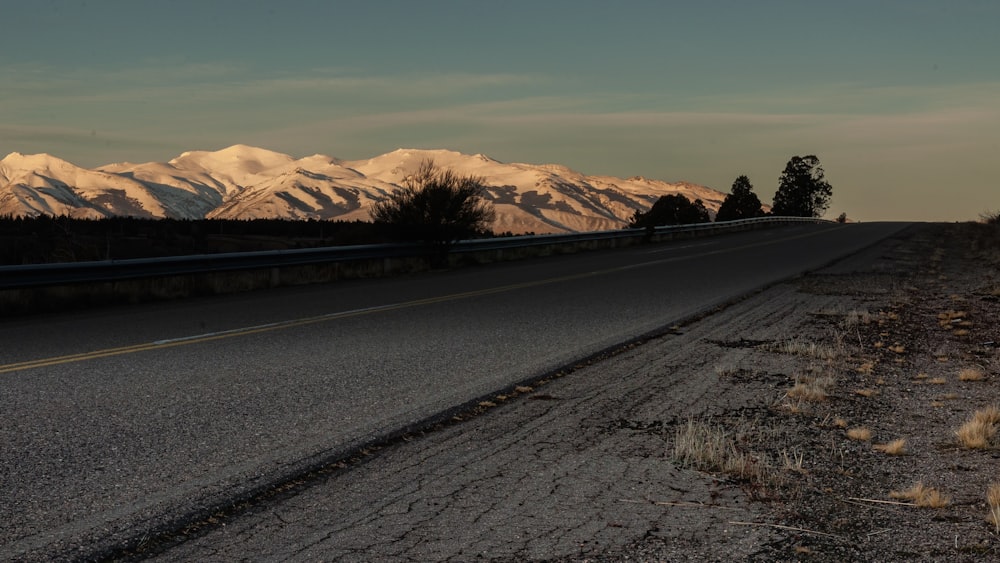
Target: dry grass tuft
897 348
710 448
866 368
854 318
802 348
792 461
921 376
922 496
993 499
811 389
861 433
895 447
840 422
971 374
979 430
866 392
988 415
937 381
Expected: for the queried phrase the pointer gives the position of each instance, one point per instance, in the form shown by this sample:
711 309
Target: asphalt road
118 422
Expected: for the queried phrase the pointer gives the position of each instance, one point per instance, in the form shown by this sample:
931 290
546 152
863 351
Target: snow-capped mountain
242 182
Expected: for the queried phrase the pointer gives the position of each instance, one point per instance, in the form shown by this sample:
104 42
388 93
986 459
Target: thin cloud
200 83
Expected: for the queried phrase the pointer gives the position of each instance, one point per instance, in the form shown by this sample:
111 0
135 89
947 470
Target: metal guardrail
37 275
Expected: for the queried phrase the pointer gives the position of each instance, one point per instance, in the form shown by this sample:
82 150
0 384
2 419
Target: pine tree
802 190
740 203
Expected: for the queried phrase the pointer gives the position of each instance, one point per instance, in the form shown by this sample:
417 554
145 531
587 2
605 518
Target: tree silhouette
740 203
672 209
802 190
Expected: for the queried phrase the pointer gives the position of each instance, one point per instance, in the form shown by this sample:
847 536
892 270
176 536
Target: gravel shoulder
586 466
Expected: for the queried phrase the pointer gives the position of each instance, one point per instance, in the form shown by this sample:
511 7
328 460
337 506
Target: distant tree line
802 192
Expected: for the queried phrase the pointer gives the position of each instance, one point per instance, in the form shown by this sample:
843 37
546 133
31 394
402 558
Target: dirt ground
760 432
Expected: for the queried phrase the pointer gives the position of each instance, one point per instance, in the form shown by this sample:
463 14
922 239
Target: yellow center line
282 325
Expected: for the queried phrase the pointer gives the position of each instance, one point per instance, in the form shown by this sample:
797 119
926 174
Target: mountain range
243 182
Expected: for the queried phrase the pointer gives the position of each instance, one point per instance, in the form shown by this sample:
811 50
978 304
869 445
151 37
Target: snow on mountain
236 167
247 182
43 184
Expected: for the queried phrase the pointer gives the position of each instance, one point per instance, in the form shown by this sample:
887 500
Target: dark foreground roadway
117 424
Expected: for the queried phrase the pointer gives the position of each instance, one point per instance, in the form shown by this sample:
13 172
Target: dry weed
937 381
840 422
866 392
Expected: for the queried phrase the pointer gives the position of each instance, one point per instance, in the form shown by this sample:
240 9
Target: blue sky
899 99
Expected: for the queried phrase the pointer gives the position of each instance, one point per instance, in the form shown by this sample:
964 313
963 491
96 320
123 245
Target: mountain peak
39 162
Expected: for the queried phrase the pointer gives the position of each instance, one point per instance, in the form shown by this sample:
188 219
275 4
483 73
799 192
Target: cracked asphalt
579 467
